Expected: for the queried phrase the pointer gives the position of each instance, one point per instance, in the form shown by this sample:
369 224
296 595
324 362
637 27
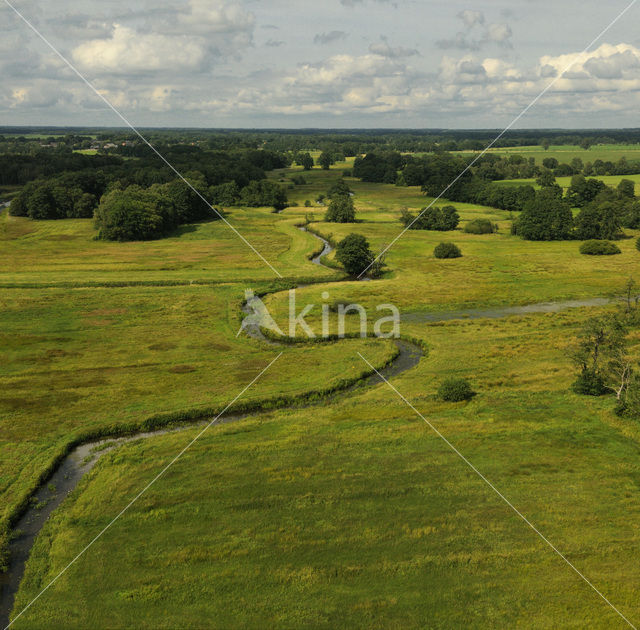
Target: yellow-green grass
78 361
346 514
565 182
357 515
65 251
494 269
565 153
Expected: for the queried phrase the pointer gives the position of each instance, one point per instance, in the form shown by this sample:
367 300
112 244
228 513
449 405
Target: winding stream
84 457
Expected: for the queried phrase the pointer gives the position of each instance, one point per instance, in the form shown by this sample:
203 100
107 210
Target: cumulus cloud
127 51
383 49
330 37
190 40
471 18
354 3
477 34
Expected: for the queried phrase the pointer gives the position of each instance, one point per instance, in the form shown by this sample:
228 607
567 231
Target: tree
546 178
601 344
439 219
339 188
627 188
264 193
545 218
598 221
586 143
341 210
354 253
305 160
550 163
325 160
190 205
134 214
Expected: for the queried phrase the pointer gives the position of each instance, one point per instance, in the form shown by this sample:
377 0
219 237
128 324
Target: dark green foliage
305 160
354 253
480 226
225 194
630 216
598 221
135 214
599 248
264 193
638 244
583 191
589 383
546 178
455 390
340 188
326 159
378 167
600 356
447 250
341 210
190 204
627 188
439 219
545 218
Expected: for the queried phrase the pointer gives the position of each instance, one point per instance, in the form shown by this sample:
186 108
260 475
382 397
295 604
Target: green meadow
565 153
334 512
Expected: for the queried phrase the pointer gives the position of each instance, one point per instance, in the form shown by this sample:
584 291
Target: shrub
599 248
455 390
480 226
447 250
589 383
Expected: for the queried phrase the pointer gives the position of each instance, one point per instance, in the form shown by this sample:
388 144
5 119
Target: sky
322 63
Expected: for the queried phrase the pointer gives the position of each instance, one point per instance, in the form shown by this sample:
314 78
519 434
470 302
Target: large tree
341 210
354 253
545 218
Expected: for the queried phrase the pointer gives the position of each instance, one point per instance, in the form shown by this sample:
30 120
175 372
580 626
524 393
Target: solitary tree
341 210
354 253
325 160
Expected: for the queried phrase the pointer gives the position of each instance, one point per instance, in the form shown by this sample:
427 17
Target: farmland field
328 513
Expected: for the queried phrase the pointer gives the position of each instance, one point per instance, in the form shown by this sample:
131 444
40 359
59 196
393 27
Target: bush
599 248
455 390
447 250
589 383
480 226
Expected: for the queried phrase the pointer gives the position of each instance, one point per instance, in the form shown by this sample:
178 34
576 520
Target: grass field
349 513
565 182
565 153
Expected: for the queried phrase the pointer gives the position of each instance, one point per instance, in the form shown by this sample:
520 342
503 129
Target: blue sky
335 63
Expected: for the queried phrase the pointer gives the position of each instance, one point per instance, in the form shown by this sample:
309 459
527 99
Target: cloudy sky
321 63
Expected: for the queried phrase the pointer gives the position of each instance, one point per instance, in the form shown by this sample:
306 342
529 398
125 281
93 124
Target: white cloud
190 39
128 51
